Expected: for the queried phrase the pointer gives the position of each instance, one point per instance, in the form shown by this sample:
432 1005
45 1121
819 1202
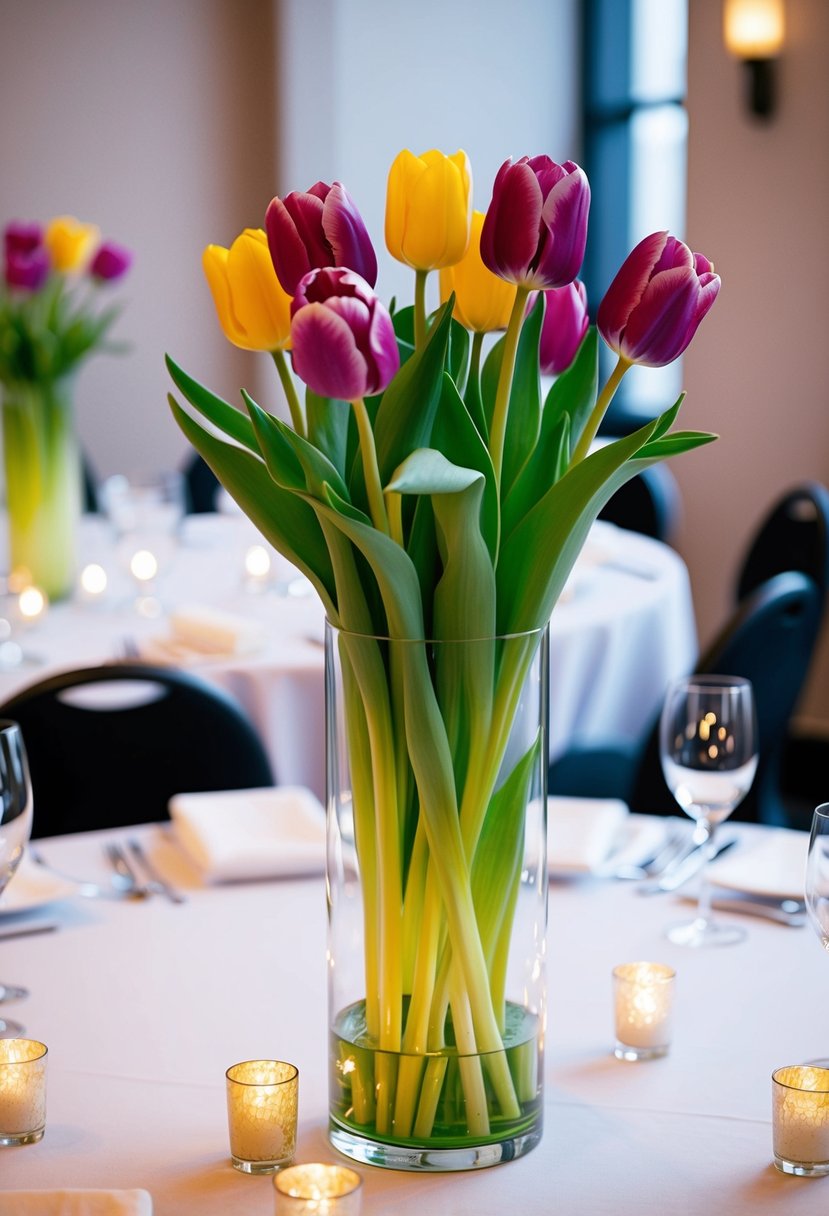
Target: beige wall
155 120
759 206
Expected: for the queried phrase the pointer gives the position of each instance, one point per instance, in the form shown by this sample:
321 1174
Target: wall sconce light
754 31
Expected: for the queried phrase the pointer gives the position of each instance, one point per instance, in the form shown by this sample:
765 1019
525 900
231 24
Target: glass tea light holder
261 1114
643 995
800 1120
318 1189
22 1091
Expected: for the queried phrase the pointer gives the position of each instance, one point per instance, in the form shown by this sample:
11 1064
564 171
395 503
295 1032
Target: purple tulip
342 337
22 237
321 227
563 328
29 269
536 226
659 296
110 262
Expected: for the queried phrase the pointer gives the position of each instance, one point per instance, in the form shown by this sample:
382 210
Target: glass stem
704 896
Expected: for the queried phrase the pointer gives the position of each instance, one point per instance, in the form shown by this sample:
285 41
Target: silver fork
676 834
90 890
124 875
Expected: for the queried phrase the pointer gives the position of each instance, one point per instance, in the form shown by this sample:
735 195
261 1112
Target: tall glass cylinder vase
437 888
43 482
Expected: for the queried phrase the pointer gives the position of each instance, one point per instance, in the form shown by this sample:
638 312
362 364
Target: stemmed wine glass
15 829
817 874
708 748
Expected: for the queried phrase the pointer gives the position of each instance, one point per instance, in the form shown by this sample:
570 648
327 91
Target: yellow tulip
483 302
71 244
253 310
428 209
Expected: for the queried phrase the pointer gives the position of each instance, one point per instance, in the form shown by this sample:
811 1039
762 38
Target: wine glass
708 748
15 829
817 874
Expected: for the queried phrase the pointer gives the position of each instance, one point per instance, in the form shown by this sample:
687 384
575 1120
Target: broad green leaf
315 469
328 422
428 471
546 464
456 435
280 515
223 415
574 392
524 422
457 353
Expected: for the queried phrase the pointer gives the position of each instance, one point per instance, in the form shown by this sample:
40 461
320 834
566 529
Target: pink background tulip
22 237
652 308
536 225
342 336
321 227
110 262
563 328
27 269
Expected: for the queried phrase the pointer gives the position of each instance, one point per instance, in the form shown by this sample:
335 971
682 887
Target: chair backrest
648 503
202 485
108 746
793 536
769 640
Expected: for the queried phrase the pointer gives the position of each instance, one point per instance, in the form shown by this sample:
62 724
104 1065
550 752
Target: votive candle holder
318 1189
22 1091
800 1119
643 995
262 1100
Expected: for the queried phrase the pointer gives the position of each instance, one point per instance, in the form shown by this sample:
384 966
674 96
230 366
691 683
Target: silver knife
26 930
156 882
680 873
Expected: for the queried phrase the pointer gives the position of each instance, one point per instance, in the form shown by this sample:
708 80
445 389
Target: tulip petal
509 240
663 323
325 354
437 231
214 263
259 302
404 171
346 234
564 215
627 288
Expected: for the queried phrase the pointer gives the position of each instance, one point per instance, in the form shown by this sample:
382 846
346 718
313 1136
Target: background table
144 1006
623 629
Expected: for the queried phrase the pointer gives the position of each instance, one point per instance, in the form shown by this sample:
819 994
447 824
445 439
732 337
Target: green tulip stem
498 430
394 508
599 410
473 375
289 388
374 489
420 308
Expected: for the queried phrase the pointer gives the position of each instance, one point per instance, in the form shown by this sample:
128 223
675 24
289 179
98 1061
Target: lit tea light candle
31 604
22 1091
318 1189
258 563
643 999
800 1119
261 1114
93 582
144 565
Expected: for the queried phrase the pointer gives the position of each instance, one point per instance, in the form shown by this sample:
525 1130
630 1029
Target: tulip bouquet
49 323
437 501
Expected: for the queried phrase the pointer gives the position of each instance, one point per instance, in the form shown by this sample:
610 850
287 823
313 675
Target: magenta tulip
27 269
321 227
110 262
653 307
22 237
536 225
563 328
342 337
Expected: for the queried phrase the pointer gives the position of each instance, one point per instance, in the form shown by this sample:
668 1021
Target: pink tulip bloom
536 225
563 328
342 336
321 227
110 262
22 237
28 269
652 308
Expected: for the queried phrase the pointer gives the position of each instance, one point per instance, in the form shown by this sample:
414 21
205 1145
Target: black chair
793 536
201 484
111 756
769 640
648 503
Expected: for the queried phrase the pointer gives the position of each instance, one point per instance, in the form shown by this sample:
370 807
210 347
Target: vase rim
514 635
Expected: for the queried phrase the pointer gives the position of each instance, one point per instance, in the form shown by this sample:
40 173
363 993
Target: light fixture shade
754 29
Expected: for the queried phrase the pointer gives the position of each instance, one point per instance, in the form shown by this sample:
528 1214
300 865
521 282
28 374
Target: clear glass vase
437 889
43 482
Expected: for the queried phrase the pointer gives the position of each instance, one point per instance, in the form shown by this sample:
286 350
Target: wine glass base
10 1029
10 992
699 933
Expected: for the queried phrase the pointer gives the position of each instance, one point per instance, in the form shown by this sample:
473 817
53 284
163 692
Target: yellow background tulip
428 209
483 302
70 243
253 310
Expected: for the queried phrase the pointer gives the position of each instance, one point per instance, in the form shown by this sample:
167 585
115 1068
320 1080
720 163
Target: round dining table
144 1004
623 628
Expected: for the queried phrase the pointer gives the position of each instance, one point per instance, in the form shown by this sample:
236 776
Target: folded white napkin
246 834
75 1203
215 632
582 832
773 864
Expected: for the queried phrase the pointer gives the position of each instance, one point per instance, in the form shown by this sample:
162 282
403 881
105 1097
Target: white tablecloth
623 629
144 1005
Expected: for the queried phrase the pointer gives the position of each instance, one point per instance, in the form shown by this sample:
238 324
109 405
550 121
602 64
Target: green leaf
223 415
457 353
574 392
524 422
328 422
292 461
280 515
456 435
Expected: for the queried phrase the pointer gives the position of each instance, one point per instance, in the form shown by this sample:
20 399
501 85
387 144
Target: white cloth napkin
210 631
582 832
772 865
249 834
75 1203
